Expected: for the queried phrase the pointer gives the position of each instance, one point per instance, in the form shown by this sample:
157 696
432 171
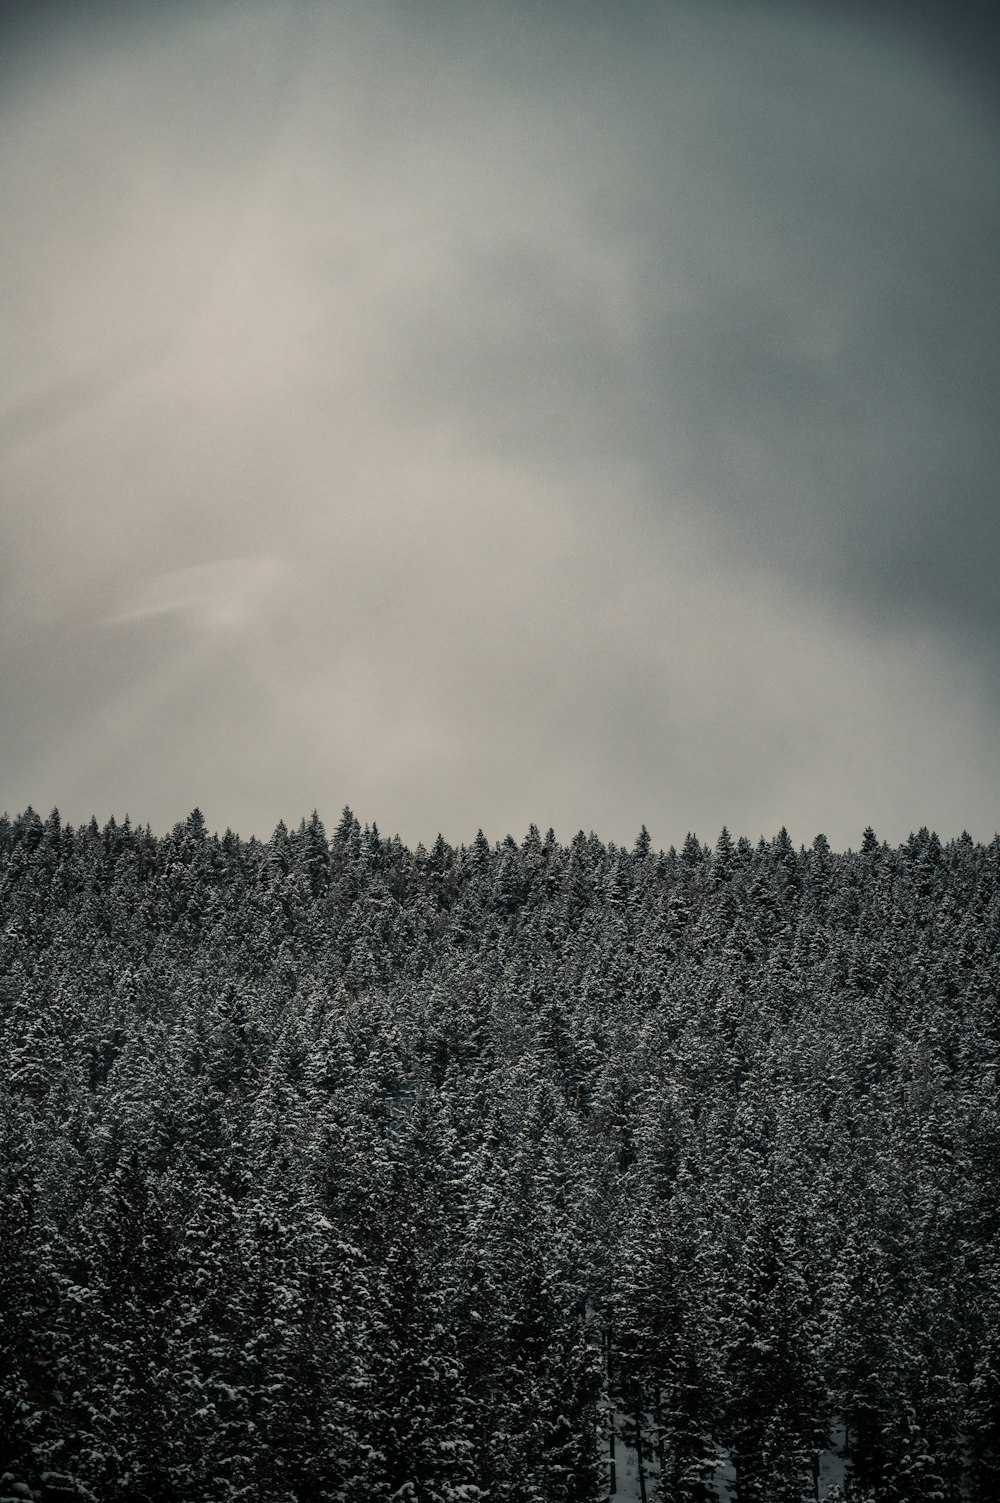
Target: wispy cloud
228 595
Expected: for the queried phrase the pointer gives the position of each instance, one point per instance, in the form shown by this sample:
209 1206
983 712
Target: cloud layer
579 415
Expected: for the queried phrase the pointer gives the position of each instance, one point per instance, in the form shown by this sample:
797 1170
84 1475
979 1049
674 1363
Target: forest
333 1171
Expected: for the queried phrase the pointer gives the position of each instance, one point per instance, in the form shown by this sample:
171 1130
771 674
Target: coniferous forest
334 1170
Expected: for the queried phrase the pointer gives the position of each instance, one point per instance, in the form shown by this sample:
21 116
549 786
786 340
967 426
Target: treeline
332 1170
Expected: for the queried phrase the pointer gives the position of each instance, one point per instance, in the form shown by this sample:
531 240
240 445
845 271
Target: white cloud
227 595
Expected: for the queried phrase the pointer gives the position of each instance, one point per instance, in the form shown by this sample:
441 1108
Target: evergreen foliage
332 1171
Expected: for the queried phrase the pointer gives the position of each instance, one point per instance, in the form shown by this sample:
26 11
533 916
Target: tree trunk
612 1472
638 1444
613 1488
658 1417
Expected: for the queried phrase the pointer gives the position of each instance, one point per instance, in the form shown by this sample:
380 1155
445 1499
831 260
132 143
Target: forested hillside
331 1170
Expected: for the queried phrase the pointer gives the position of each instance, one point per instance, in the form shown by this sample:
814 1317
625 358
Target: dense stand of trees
331 1170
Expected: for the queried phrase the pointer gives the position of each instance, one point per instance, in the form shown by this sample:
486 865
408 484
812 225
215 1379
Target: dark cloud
808 252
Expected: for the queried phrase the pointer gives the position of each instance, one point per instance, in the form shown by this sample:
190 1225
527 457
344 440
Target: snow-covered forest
332 1170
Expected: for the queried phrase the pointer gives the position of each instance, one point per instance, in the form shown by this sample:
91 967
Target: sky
572 413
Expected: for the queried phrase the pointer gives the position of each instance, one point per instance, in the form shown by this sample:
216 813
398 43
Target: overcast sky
582 413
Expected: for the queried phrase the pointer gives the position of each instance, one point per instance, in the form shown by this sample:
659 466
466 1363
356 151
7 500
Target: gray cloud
501 415
803 230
